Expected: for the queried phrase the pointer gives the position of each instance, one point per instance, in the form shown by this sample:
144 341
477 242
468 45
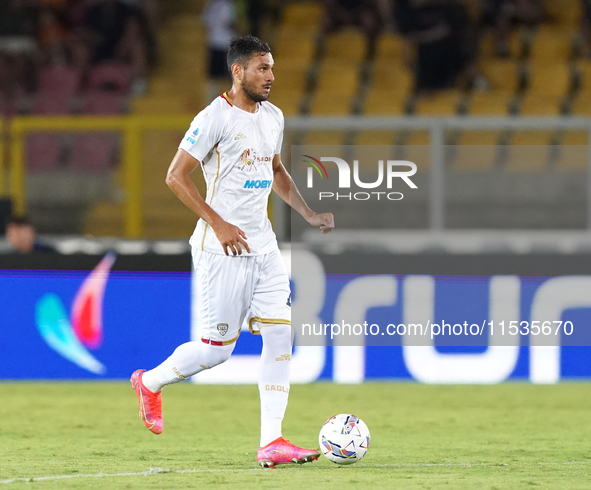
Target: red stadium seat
100 102
59 79
43 151
111 77
52 103
93 152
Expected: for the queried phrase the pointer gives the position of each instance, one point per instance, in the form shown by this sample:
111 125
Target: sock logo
284 389
178 373
70 337
284 357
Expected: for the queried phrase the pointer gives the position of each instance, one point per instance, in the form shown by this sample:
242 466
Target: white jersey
236 150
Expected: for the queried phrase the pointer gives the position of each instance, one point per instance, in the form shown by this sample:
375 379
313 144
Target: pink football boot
281 451
150 403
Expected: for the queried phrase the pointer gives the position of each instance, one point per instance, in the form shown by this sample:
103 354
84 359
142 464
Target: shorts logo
289 300
222 328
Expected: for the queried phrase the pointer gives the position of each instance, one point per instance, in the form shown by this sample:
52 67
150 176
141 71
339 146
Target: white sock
188 359
274 379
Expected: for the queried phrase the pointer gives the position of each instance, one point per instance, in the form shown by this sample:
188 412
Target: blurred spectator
21 236
441 33
503 15
114 32
55 40
364 14
19 55
220 19
149 11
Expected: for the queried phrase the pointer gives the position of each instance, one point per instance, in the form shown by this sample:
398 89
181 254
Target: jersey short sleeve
280 137
205 132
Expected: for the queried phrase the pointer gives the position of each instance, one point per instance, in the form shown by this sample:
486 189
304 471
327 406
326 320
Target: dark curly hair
243 48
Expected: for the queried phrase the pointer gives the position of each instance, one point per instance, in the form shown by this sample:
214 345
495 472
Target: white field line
159 471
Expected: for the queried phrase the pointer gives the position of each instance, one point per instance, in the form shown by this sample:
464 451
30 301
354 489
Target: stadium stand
319 72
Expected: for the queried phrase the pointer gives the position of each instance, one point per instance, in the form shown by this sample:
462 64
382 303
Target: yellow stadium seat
584 69
549 78
575 138
379 103
479 138
564 12
294 44
538 138
348 45
392 78
375 138
440 104
487 45
501 73
474 157
331 104
390 48
493 103
418 138
582 105
541 105
552 44
529 151
337 79
290 75
573 157
390 87
288 100
304 15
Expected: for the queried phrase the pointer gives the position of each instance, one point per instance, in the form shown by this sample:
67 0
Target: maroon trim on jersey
225 97
211 342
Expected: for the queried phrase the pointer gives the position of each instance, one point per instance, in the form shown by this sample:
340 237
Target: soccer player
240 274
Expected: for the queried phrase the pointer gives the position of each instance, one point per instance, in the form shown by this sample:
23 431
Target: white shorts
229 292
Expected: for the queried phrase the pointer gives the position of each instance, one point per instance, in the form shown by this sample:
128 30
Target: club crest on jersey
247 160
239 136
222 328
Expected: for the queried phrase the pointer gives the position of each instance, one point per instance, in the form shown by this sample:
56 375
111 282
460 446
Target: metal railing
132 128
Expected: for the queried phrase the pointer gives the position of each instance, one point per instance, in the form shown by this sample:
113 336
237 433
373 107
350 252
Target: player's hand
231 237
324 221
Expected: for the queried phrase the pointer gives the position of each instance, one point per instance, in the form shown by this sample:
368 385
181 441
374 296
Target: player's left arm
285 187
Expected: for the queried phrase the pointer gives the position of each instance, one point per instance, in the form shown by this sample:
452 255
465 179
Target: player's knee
276 332
220 354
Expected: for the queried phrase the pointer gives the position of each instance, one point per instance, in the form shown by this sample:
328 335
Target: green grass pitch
507 436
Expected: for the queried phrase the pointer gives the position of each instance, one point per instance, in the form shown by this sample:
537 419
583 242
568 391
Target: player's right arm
178 178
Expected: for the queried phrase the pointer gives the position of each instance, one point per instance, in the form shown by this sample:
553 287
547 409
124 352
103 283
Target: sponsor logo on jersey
257 184
191 140
239 136
247 160
222 328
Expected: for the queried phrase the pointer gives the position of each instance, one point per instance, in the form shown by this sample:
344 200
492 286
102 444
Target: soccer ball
344 439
